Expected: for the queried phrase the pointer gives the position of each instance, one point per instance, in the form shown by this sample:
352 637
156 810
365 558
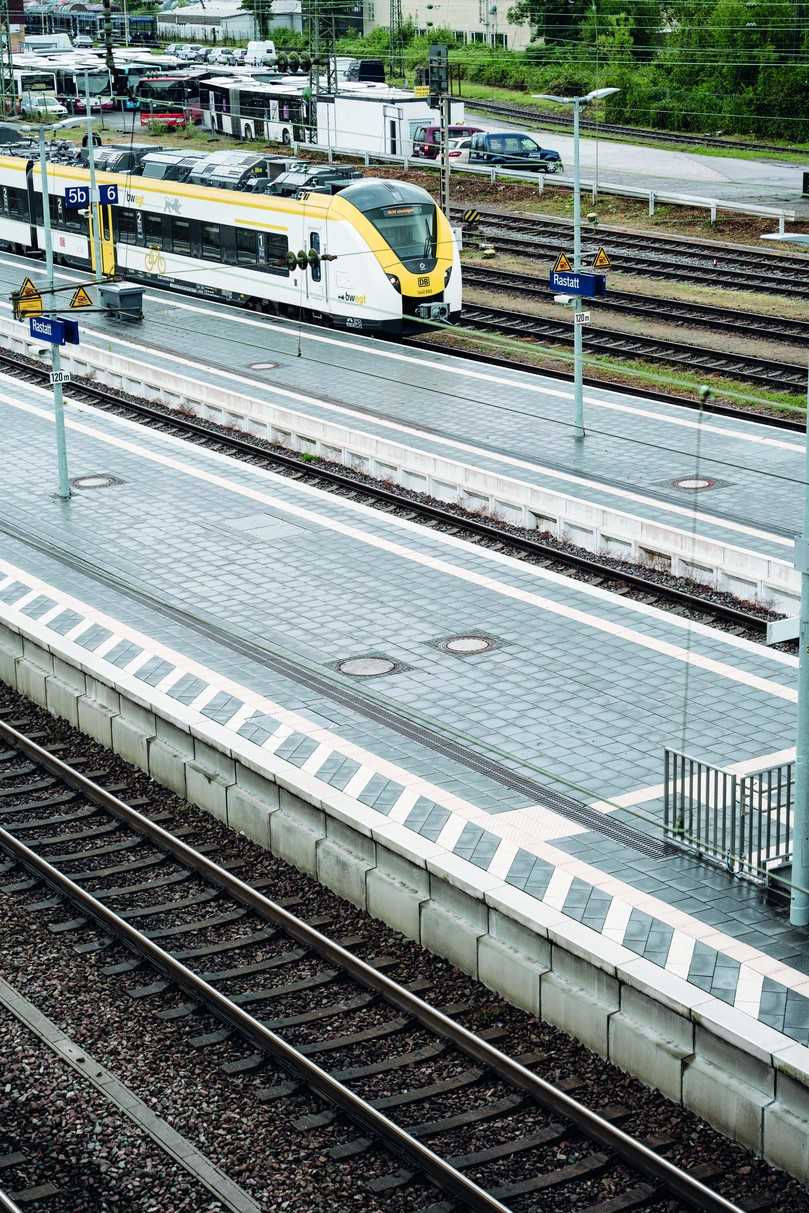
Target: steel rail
7 1205
761 371
446 517
747 324
615 130
644 241
595 1127
526 244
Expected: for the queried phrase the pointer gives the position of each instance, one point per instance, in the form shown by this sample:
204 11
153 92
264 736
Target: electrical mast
397 60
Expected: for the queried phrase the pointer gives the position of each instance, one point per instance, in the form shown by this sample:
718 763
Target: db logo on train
424 281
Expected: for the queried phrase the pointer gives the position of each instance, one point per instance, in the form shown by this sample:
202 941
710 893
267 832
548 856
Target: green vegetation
736 67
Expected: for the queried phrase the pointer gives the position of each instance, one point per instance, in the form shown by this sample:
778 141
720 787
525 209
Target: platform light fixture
597 94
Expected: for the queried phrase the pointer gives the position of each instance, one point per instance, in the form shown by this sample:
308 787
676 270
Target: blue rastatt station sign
54 329
577 282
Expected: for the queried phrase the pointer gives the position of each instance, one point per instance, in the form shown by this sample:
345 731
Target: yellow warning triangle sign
28 301
602 261
80 298
563 264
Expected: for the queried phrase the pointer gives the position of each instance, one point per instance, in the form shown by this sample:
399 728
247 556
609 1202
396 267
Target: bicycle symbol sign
155 262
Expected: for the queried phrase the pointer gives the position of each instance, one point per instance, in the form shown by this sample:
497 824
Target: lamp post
56 361
578 370
95 206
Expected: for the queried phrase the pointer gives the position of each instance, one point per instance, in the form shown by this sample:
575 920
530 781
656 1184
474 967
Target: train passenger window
211 241
15 202
180 235
277 249
246 247
126 224
314 245
153 230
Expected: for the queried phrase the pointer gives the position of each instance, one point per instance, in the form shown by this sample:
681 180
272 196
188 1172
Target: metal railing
542 181
744 822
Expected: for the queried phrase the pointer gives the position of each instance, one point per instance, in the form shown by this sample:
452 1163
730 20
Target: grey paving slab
581 696
506 415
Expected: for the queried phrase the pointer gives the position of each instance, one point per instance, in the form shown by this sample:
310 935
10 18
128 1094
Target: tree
554 21
262 12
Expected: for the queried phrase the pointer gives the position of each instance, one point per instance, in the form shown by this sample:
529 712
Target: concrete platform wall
596 528
744 1078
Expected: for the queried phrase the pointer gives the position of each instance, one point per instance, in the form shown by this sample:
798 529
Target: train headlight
395 283
447 276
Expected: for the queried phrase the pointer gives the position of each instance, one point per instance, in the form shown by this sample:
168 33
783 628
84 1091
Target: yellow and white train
379 256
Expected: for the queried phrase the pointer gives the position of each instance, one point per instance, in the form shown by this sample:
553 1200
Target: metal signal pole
446 102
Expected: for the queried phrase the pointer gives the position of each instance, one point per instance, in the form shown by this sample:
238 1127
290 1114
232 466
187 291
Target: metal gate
742 821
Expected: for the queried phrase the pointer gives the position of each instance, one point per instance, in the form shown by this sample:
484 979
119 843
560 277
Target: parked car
512 149
427 138
41 105
260 52
459 149
82 42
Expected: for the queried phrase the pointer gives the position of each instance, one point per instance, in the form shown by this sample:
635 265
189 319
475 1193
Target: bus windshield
74 82
172 91
37 82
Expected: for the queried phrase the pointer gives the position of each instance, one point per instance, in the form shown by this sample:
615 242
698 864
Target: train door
106 239
316 289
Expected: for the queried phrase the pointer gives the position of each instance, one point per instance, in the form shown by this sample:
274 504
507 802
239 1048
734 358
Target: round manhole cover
96 481
693 483
464 645
367 667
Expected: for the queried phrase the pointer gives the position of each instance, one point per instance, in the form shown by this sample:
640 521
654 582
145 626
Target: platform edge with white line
619 534
745 1078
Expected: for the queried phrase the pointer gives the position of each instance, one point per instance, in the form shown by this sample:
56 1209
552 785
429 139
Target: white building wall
482 21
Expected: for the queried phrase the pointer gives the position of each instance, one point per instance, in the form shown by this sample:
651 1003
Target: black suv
513 150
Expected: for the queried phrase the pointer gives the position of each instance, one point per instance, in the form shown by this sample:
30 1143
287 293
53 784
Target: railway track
672 311
616 576
647 254
338 1025
614 130
778 376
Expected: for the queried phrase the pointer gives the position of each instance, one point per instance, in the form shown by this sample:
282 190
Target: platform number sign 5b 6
78 196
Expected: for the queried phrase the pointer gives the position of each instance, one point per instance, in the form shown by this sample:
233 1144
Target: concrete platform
194 614
494 440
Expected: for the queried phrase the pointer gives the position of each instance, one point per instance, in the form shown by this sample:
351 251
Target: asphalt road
763 182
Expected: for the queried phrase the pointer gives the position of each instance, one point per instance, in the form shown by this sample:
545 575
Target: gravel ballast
262 1144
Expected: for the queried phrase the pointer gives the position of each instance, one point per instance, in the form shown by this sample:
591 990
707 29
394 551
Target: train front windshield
408 229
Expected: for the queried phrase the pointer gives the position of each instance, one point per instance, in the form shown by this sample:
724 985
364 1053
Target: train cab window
314 245
211 235
246 248
153 230
180 235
